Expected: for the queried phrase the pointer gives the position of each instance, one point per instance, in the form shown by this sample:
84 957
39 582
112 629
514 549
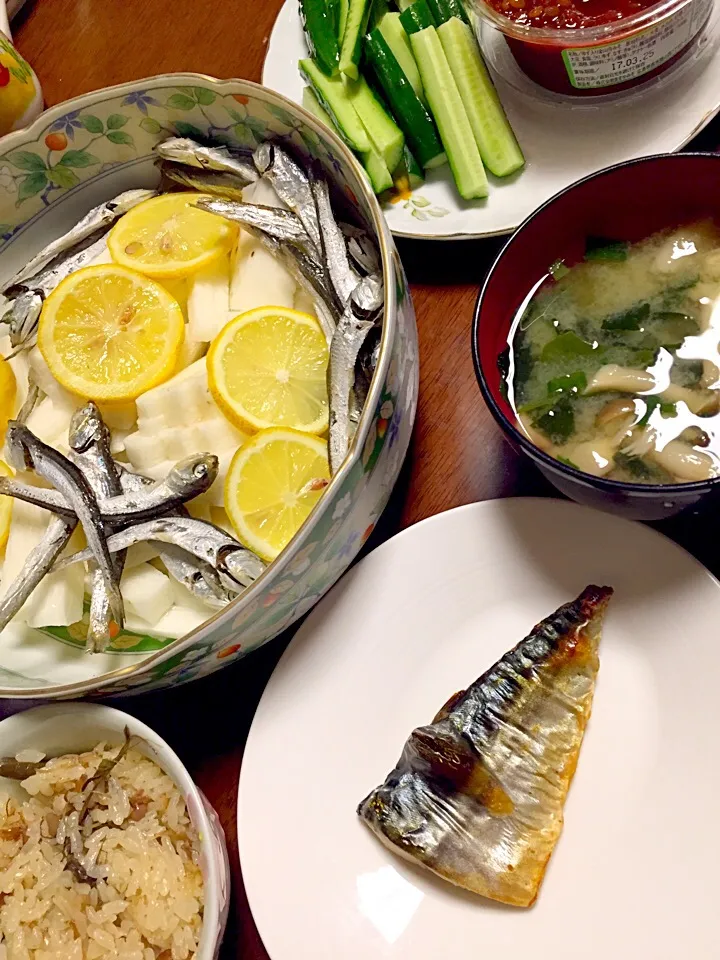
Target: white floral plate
635 871
564 138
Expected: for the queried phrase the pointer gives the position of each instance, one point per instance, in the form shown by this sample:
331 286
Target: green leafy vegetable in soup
614 364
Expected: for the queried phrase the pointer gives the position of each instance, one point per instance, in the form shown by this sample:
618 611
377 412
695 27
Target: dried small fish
283 225
193 154
344 278
477 796
206 181
352 329
204 540
89 439
187 479
69 481
291 184
100 217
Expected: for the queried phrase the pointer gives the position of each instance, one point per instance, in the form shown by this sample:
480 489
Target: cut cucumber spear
409 174
398 41
342 19
443 10
412 117
333 96
384 133
450 114
494 136
313 106
416 17
355 27
320 20
327 99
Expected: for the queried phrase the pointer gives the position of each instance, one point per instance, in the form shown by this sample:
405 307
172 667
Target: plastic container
606 58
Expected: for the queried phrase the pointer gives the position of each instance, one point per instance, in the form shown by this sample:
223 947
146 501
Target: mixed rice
100 861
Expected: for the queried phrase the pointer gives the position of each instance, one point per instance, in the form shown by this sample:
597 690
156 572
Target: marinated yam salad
185 373
614 363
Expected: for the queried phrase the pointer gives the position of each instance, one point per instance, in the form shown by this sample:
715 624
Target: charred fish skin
477 796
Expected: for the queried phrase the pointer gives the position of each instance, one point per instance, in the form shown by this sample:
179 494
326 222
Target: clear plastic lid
580 36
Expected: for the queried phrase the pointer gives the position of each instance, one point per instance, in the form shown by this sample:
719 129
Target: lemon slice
109 334
267 368
169 236
273 483
6 505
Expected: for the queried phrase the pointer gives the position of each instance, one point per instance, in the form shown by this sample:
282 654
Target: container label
625 60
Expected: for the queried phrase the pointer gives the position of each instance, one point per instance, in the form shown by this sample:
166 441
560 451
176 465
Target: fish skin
477 796
344 279
96 219
283 225
193 154
198 537
205 181
70 482
89 440
291 184
352 329
188 479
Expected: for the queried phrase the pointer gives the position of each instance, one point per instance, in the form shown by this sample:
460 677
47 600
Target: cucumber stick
398 41
313 106
403 4
378 9
384 133
413 119
416 17
450 114
443 10
342 19
332 94
377 171
336 97
494 136
409 174
320 20
355 27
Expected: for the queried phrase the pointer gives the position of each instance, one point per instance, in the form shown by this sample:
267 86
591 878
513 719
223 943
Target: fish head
194 474
86 427
241 565
23 316
264 156
179 149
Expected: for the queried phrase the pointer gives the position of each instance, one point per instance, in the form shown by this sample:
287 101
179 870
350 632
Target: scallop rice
98 861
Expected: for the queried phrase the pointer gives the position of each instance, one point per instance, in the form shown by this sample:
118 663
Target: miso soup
613 364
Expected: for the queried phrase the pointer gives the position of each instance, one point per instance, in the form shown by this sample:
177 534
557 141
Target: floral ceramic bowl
87 150
73 728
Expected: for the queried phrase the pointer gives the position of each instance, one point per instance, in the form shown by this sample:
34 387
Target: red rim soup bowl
628 201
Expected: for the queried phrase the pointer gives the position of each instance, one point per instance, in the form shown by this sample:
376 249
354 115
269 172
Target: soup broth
614 364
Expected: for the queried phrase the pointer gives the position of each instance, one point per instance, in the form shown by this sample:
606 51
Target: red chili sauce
568 14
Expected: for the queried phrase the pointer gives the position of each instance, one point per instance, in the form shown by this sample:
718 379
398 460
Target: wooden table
457 455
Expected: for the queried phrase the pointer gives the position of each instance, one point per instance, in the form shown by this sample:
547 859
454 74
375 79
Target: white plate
635 872
564 138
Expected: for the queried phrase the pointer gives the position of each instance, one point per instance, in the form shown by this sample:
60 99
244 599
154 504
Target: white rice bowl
121 876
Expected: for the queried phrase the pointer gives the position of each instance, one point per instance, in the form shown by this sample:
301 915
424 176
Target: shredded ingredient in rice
100 862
